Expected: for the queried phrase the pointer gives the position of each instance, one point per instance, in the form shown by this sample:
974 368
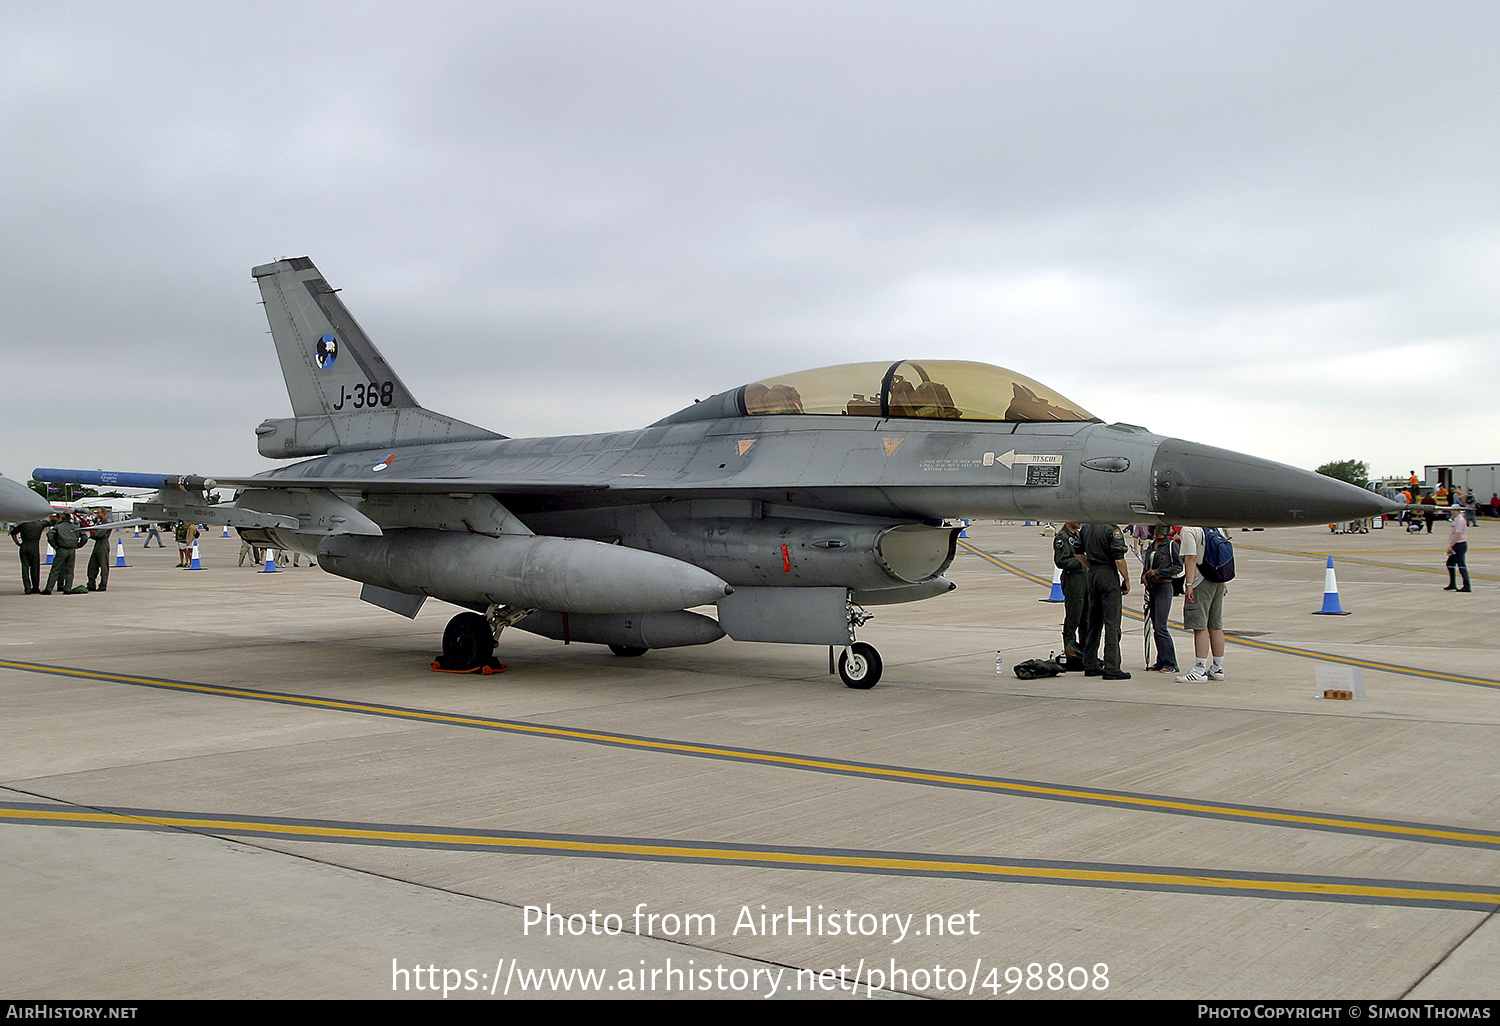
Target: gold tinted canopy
932 389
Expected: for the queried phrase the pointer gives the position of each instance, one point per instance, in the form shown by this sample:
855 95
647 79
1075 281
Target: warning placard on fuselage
1040 474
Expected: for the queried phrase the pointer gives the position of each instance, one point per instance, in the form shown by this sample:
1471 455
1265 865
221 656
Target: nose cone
1199 484
17 502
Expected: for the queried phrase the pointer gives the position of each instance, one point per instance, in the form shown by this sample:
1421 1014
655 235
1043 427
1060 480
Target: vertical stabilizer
329 363
344 394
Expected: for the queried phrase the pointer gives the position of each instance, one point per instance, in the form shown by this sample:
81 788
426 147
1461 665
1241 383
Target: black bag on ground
1031 669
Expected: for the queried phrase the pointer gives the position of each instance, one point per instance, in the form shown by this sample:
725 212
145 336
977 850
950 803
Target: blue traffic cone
1330 594
965 532
120 551
50 554
195 564
270 567
1056 594
226 530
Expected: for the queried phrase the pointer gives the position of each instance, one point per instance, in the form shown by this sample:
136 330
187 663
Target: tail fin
344 395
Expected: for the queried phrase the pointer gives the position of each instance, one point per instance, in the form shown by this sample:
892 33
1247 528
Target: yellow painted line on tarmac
1344 557
1426 832
845 860
1368 664
1002 564
1304 653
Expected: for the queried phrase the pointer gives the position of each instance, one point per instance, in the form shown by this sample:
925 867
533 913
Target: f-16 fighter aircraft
790 504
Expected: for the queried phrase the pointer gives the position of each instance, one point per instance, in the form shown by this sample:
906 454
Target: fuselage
910 470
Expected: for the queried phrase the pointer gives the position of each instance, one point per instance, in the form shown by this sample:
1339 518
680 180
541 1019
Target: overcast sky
1273 227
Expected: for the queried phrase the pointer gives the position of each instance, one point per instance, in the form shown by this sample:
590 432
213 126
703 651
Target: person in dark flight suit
66 540
99 554
28 536
1101 548
1074 586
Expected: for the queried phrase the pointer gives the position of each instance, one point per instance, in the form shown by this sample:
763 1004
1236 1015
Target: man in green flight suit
29 536
1101 547
1074 577
66 539
99 554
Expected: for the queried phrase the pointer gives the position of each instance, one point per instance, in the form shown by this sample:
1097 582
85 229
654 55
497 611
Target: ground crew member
1101 548
1074 577
29 536
66 540
99 555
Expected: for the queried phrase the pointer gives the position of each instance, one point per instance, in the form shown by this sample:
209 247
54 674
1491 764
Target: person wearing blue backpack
1208 567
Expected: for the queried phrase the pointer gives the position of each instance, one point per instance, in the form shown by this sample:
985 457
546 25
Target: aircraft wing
309 505
177 497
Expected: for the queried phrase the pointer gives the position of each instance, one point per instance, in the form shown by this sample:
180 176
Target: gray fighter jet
791 504
17 502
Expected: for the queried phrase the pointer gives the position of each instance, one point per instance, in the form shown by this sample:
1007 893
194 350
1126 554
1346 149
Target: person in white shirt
1202 612
1458 548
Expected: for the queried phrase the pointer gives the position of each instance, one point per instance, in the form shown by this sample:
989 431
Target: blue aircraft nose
1199 484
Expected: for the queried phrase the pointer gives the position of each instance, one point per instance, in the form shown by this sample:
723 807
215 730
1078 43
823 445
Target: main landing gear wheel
467 642
860 666
627 650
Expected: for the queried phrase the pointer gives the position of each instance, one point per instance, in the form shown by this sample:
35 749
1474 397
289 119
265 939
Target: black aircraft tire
467 641
861 670
627 650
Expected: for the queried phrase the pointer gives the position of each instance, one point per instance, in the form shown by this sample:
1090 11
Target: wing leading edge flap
225 514
376 484
314 511
317 510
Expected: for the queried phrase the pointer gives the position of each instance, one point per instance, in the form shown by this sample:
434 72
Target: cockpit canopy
932 389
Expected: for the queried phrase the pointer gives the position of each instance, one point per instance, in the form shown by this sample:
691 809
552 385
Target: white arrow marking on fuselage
1010 459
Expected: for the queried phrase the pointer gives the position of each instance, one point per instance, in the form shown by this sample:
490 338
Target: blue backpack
1217 561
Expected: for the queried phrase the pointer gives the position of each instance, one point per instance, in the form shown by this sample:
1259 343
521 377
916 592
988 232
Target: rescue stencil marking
1010 459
